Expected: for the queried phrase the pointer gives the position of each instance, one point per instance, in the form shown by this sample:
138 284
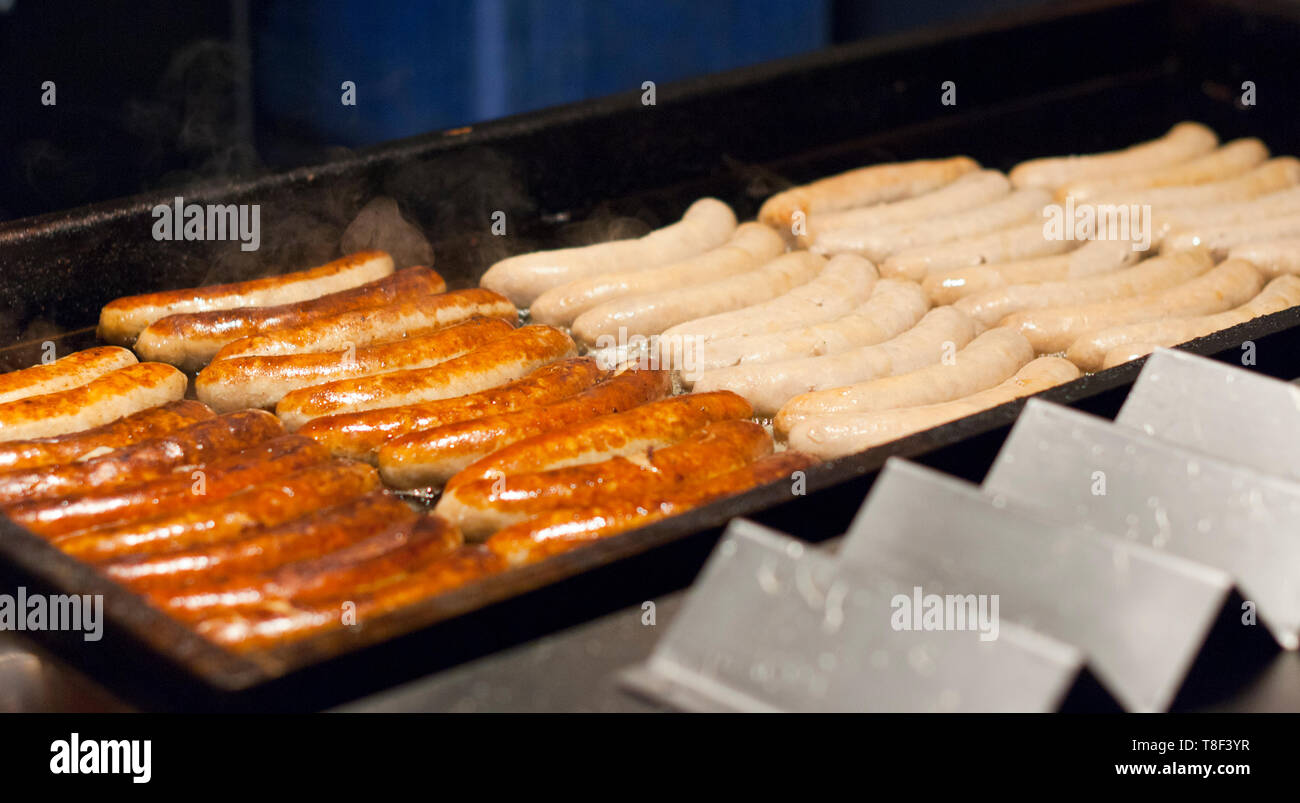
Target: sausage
317 533
173 492
844 284
72 371
561 530
894 307
431 457
1127 353
279 623
502 359
106 398
989 359
751 245
832 436
624 434
862 187
1272 257
358 568
144 461
261 381
1005 245
1221 238
652 313
210 522
359 436
122 320
1270 177
1092 258
1182 142
1091 351
97 441
482 507
880 242
1146 277
357 328
1230 160
966 192
190 340
1274 204
1054 329
706 224
769 386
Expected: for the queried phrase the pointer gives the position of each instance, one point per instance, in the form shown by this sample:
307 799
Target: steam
380 225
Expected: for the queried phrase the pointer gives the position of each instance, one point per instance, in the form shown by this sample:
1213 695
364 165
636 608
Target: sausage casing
190 340
359 436
65 373
427 458
151 423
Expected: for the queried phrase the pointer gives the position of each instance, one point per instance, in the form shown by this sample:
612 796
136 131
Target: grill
1093 77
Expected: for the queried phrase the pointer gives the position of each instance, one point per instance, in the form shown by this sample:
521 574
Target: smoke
380 225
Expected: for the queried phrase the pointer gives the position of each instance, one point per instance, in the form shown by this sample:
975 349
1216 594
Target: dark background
154 94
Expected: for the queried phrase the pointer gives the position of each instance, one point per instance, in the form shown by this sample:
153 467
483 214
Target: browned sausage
375 325
482 507
427 458
317 533
122 320
279 622
216 480
360 568
262 381
106 398
564 529
144 461
152 423
632 432
501 360
71 371
359 436
190 340
264 505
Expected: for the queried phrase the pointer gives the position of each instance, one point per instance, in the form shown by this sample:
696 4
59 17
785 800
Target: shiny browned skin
434 456
189 340
144 461
317 533
377 324
229 475
152 423
273 624
503 359
71 371
648 426
105 398
264 505
564 529
359 436
384 558
482 507
261 381
122 320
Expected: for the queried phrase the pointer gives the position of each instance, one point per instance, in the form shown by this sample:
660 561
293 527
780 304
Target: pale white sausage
751 245
1182 142
707 224
834 436
769 386
1091 351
